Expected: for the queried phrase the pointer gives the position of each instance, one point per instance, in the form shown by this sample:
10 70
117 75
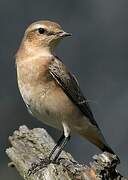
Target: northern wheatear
50 91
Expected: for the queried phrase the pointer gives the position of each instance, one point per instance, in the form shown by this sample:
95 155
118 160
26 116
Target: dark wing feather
71 87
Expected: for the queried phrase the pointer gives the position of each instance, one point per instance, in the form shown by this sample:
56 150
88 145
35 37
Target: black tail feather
107 149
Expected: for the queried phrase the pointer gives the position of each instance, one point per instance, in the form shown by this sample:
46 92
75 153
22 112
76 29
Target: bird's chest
36 98
34 82
42 95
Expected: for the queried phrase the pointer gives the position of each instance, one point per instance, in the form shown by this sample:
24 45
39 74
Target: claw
36 166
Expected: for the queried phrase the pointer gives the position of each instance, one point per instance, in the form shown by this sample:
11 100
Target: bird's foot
36 166
42 163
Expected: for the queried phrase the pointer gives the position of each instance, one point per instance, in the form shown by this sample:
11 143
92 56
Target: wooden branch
29 146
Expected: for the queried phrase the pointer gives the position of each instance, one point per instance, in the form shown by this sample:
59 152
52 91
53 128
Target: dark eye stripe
44 31
49 33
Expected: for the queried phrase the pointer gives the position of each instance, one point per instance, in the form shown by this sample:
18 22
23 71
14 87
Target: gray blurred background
97 54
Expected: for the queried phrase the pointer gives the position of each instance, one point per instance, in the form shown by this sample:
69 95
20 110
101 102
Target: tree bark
30 146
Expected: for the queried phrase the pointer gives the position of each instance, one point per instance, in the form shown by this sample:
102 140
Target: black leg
57 145
44 162
65 141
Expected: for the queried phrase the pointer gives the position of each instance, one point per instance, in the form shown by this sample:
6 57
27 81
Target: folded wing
70 86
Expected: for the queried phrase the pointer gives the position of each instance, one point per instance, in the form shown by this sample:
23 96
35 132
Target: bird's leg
63 144
57 145
44 162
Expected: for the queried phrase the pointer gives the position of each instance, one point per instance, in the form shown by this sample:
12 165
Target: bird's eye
41 30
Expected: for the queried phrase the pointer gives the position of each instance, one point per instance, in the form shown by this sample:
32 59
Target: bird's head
44 34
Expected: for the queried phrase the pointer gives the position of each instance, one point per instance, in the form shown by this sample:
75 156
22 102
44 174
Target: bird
50 91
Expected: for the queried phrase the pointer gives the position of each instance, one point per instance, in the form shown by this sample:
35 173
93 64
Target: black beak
65 34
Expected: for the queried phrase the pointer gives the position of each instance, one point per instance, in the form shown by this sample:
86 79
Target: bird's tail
107 148
95 136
